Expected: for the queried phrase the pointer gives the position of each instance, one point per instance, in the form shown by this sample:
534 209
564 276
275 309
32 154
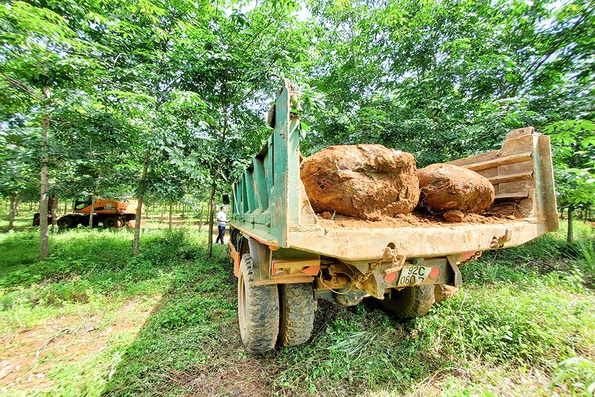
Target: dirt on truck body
286 256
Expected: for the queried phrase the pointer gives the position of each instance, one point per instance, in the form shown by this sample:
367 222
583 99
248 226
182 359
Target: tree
445 79
16 165
42 59
240 65
574 160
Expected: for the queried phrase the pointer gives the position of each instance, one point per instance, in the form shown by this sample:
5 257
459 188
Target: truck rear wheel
297 313
258 310
67 222
410 302
112 222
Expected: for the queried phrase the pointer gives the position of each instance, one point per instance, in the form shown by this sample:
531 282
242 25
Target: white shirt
221 218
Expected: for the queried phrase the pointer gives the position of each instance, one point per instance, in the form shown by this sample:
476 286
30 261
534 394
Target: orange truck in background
112 213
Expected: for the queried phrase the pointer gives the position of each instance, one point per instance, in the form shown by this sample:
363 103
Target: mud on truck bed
286 256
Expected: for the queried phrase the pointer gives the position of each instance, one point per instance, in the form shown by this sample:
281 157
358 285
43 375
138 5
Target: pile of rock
372 181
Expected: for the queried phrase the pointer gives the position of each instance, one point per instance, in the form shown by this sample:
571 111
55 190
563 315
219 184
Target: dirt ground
29 353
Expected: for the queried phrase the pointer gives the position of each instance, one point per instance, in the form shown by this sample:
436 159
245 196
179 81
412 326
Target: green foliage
180 87
447 79
520 313
73 268
579 374
574 158
584 249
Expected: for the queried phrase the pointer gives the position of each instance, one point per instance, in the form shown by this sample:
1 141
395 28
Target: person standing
221 222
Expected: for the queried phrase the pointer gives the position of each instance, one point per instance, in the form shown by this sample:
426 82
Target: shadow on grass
190 345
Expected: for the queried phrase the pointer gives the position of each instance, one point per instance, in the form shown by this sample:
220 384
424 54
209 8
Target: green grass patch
164 323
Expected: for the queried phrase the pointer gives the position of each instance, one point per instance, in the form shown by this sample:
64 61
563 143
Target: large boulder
448 187
363 181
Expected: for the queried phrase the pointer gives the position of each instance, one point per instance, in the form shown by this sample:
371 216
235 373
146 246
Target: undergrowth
522 324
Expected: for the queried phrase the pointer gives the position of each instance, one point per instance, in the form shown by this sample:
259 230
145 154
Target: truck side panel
267 198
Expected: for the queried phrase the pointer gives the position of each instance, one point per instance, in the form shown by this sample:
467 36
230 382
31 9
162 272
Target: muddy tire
258 310
443 292
234 236
410 302
111 222
67 222
297 313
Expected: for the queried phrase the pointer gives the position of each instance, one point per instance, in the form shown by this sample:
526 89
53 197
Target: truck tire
112 222
297 313
234 235
67 222
258 310
410 302
443 292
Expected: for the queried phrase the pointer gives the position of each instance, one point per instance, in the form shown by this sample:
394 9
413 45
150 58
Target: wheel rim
242 304
66 222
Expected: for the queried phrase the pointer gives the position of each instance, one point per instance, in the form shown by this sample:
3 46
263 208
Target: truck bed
271 206
496 214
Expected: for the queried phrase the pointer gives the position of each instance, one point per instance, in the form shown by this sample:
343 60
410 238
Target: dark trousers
221 234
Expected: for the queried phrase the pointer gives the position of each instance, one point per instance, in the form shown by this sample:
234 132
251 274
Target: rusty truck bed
271 205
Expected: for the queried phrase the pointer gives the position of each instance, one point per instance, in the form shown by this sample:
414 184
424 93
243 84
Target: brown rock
364 181
454 216
326 215
448 187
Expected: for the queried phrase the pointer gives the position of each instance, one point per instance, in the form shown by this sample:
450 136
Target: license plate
413 275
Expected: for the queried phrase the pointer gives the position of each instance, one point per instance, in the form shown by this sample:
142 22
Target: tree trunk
561 214
569 234
44 249
200 214
147 211
65 207
17 205
183 210
12 213
31 206
211 215
141 195
171 208
91 213
54 210
162 213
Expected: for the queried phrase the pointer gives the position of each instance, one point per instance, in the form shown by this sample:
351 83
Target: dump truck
111 213
286 256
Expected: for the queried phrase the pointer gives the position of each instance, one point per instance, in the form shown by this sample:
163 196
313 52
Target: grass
94 321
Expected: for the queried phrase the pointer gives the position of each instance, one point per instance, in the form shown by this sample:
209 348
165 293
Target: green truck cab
286 256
